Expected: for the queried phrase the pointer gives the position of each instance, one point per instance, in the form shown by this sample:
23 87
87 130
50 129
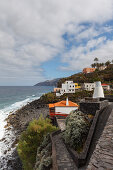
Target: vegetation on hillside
31 139
44 152
77 127
105 76
75 97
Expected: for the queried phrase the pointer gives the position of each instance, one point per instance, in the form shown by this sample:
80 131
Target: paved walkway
64 160
102 158
61 124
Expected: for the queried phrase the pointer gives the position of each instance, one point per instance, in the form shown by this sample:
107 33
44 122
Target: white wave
3 115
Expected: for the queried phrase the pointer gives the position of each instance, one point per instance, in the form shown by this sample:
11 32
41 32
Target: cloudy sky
45 39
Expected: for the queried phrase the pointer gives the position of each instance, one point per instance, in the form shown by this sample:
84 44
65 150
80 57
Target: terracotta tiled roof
63 104
105 84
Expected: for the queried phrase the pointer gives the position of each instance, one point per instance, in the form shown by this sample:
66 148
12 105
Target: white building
62 108
67 87
106 86
88 86
102 68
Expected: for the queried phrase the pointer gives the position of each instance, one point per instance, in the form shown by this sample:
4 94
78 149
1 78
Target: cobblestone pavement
102 158
64 160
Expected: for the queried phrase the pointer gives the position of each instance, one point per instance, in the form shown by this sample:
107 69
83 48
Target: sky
46 39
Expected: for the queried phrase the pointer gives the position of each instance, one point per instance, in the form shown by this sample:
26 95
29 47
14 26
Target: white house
67 87
88 86
62 108
106 86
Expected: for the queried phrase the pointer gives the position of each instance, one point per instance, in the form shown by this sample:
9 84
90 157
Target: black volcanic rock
48 82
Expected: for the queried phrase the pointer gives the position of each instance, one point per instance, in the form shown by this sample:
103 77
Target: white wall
89 86
65 110
68 87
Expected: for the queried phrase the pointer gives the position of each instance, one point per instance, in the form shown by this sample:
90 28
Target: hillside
105 76
48 83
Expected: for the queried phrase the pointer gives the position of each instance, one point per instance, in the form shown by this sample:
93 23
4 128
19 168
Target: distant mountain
48 82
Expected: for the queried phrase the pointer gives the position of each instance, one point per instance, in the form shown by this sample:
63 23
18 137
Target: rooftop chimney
67 102
98 91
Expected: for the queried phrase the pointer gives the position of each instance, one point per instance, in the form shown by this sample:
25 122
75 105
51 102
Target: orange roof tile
105 84
63 104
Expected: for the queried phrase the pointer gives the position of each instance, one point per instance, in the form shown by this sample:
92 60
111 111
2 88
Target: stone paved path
61 124
64 160
102 158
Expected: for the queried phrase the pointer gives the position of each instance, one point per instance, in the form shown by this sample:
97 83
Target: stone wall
102 157
90 107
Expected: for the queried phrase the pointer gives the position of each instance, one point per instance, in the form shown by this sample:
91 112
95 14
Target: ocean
11 99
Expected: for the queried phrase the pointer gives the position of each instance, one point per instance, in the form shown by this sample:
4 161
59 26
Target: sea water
11 99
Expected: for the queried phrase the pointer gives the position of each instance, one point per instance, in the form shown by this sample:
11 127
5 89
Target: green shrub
44 152
49 98
77 127
31 139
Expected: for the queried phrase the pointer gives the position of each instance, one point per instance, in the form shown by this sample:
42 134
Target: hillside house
56 90
67 87
62 108
102 68
77 86
88 70
88 86
106 86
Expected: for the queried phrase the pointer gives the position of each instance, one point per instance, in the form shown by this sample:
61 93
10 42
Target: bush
44 152
49 98
77 127
31 139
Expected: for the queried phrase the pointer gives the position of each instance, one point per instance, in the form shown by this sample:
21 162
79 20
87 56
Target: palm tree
102 64
107 63
96 59
92 65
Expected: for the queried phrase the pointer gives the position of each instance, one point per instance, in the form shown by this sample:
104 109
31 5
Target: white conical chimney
67 102
98 91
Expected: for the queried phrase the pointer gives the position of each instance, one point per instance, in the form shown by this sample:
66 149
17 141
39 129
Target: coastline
17 122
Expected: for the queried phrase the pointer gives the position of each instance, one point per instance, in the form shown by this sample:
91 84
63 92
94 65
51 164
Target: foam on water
7 134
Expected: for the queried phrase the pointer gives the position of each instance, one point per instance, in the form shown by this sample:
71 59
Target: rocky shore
19 121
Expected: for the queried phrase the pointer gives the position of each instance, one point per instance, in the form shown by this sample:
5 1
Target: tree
97 65
31 139
96 59
93 65
107 63
102 64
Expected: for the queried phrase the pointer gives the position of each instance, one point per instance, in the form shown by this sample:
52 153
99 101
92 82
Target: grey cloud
31 34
